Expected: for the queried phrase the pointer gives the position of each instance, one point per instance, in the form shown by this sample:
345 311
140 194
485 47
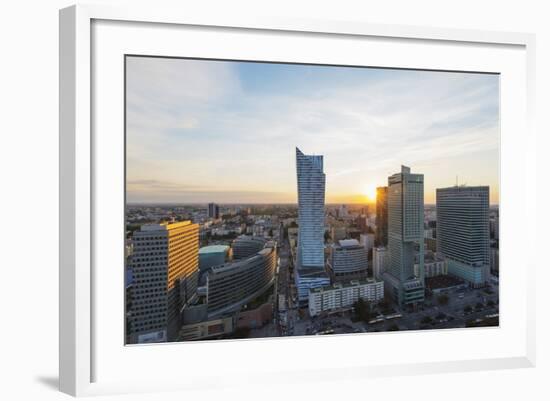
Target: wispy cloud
233 126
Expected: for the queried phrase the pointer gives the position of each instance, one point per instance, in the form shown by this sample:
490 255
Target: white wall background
29 186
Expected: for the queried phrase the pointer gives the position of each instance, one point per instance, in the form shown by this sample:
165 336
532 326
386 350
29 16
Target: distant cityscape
226 271
275 199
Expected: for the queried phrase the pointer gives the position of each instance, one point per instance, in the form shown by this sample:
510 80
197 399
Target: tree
467 309
479 306
491 303
443 299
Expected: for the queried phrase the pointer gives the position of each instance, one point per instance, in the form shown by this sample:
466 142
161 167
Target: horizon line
255 203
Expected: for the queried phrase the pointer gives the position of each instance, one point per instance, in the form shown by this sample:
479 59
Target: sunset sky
226 132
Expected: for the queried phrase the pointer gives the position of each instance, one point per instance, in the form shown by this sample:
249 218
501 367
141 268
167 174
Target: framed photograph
341 194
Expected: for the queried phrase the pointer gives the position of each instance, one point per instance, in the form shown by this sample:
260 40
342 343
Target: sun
370 193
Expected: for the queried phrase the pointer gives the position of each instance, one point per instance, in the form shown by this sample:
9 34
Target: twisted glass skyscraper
311 224
311 209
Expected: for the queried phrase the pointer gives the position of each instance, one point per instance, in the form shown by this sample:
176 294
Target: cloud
212 124
157 185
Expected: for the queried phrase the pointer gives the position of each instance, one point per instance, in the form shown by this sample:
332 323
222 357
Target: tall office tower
463 232
405 236
165 265
381 216
310 260
213 211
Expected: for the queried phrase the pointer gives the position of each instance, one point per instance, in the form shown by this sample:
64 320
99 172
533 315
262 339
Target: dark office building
381 238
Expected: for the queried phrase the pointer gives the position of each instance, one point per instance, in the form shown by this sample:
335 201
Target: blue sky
200 131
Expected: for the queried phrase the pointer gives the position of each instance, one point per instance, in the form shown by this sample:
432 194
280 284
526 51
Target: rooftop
164 226
213 249
235 264
353 283
346 243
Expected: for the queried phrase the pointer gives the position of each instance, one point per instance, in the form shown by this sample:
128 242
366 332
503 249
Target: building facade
405 237
338 232
255 318
232 285
311 209
463 232
340 295
381 216
379 262
209 329
165 268
310 254
367 240
307 279
494 261
213 211
433 268
245 246
348 261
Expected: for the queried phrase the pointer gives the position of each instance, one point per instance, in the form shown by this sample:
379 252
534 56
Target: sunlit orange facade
165 265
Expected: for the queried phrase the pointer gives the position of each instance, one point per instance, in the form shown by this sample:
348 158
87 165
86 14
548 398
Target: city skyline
210 131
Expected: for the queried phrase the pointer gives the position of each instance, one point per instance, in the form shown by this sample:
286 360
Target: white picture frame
81 346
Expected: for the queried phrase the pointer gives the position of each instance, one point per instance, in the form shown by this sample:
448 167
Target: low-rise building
348 261
433 266
367 240
307 279
246 246
338 233
340 295
255 318
213 255
208 329
233 284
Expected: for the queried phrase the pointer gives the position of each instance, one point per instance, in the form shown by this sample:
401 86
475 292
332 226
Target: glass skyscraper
310 258
382 216
405 237
463 231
